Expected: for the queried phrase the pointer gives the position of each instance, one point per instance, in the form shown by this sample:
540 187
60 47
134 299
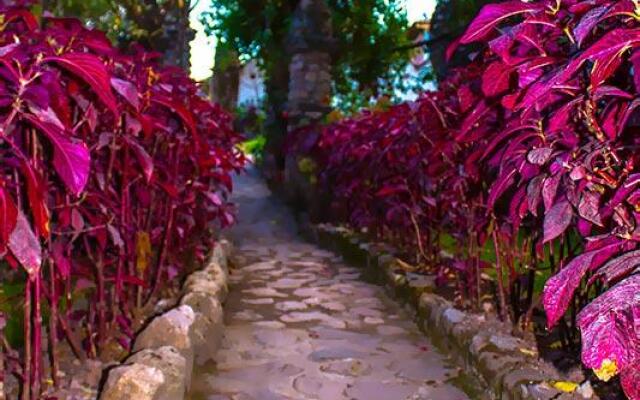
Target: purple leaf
588 22
618 267
35 193
635 62
607 327
127 90
185 115
8 218
628 112
62 262
549 189
77 221
115 236
533 70
559 289
608 90
495 79
557 220
5 50
70 159
500 186
92 70
629 379
214 198
472 120
588 207
534 193
391 189
491 15
606 54
144 159
540 155
25 246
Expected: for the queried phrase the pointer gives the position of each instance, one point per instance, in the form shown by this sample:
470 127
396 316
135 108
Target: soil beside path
301 324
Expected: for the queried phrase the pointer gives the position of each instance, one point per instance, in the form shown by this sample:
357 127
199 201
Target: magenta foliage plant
115 171
565 79
531 149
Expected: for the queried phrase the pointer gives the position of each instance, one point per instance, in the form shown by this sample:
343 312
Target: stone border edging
165 351
508 366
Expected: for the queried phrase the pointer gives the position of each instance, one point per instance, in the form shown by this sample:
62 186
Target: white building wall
251 87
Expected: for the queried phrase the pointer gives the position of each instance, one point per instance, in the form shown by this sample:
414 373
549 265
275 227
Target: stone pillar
309 99
226 78
176 35
309 87
310 42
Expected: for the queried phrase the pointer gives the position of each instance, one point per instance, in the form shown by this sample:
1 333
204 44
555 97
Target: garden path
301 324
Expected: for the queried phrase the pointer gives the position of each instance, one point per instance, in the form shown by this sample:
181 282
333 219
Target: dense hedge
114 172
532 150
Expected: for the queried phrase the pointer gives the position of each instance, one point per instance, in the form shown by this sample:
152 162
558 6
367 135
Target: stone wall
509 367
165 351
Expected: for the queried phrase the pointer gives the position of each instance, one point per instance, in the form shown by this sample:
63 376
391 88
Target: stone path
302 325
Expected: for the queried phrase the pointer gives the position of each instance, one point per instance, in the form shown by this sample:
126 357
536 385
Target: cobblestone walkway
302 325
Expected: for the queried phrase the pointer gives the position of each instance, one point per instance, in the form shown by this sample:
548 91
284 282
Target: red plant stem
112 157
16 178
91 338
125 213
473 255
73 341
552 259
119 282
421 255
37 336
513 257
428 244
501 296
151 207
67 294
3 352
26 372
53 324
163 252
123 221
437 241
102 306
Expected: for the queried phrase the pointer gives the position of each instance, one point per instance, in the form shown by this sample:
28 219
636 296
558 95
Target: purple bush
114 173
531 149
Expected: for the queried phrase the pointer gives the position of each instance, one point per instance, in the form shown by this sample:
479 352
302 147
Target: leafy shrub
115 171
530 149
254 147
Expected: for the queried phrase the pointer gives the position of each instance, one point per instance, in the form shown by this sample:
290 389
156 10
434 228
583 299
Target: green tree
366 58
259 29
159 25
448 22
368 62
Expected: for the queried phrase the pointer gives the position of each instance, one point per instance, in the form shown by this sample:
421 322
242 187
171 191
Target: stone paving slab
301 324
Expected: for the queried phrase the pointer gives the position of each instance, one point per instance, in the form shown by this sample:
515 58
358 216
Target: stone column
177 35
310 43
309 99
226 78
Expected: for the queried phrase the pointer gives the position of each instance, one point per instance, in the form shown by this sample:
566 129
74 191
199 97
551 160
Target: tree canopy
159 25
448 22
366 59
